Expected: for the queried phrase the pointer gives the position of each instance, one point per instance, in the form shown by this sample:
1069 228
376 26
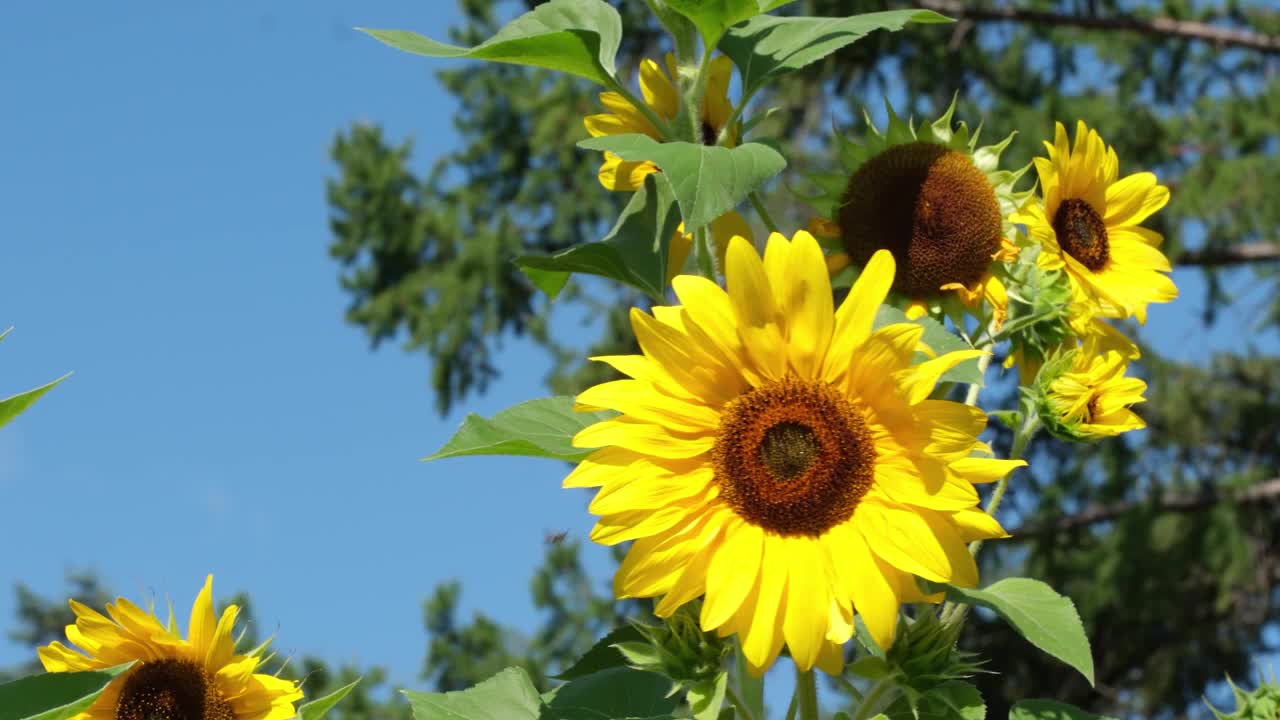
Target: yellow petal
1134 199
863 578
643 401
984 470
658 91
648 492
753 304
900 537
858 312
917 382
886 351
642 437
634 524
805 296
964 572
808 600
763 636
696 370
204 624
732 573
977 525
692 581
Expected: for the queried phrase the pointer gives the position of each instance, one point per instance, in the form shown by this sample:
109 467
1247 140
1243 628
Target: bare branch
1190 30
1262 492
1234 255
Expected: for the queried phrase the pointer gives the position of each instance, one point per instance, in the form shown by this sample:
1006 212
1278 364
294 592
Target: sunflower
937 202
662 96
199 678
1088 224
1089 398
783 459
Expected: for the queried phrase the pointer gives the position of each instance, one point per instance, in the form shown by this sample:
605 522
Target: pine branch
1193 502
1234 255
1160 26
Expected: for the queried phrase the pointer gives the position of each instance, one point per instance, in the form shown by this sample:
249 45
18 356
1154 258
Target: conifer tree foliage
1167 542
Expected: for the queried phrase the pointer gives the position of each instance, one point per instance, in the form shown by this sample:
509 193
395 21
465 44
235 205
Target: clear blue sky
163 233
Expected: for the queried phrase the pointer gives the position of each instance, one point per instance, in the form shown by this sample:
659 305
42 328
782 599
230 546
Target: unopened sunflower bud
926 654
1261 704
678 650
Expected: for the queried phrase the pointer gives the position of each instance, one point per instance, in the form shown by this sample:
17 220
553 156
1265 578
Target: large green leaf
940 340
13 406
713 17
603 655
634 252
316 709
707 181
1046 619
52 696
579 37
509 695
540 428
767 46
1050 710
706 698
619 692
955 700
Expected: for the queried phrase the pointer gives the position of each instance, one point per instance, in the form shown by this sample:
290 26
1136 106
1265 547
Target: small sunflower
784 460
1088 224
199 678
662 96
1089 397
934 199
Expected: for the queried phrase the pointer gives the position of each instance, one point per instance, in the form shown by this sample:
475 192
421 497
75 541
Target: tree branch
1234 255
1190 30
1262 492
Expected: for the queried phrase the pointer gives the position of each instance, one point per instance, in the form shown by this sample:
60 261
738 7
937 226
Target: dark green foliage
1173 593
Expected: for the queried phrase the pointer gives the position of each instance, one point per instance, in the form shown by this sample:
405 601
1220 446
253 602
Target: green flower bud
1261 704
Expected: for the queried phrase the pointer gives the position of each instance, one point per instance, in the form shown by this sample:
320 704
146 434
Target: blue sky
164 236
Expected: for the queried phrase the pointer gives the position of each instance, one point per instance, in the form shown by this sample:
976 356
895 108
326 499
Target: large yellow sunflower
1088 225
199 678
783 459
937 201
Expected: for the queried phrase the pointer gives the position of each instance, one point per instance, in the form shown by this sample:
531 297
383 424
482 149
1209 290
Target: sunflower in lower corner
1088 225
783 459
935 200
171 678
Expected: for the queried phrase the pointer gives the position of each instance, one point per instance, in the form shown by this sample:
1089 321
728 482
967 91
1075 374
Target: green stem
763 212
683 34
663 128
971 397
693 92
806 694
742 709
791 709
872 703
733 118
703 255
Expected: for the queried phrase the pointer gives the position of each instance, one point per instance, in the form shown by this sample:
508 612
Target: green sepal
538 428
317 708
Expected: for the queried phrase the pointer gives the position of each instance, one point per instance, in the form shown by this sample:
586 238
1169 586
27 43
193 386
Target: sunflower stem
763 212
791 709
740 707
734 116
683 34
663 128
806 697
703 254
874 702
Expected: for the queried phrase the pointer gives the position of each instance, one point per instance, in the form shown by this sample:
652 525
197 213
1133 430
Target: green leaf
635 250
13 406
614 693
316 709
767 46
871 667
939 339
579 37
707 181
953 701
603 655
1050 710
707 697
1046 619
509 695
713 17
539 428
52 696
550 282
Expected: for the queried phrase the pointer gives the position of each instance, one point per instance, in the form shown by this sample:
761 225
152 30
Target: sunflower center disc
928 205
794 457
171 690
1082 233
